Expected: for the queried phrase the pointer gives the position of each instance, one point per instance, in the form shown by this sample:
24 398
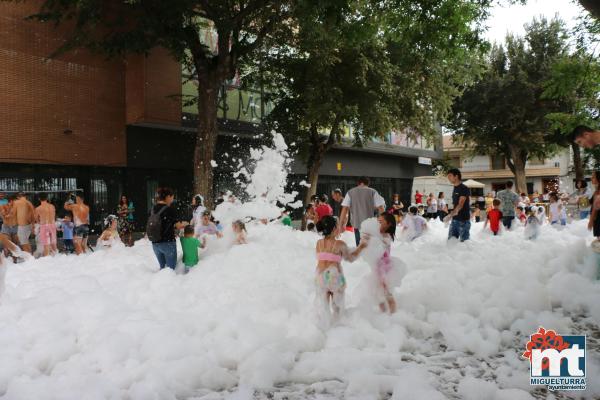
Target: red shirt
419 198
323 210
494 216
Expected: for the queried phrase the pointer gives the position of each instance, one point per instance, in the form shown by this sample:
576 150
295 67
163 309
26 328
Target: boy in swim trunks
81 218
45 215
24 211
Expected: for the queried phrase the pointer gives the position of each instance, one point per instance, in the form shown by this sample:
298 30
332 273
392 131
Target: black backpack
154 225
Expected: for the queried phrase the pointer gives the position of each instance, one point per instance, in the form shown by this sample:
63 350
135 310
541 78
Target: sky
505 19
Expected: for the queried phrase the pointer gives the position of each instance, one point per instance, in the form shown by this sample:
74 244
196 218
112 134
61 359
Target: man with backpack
161 228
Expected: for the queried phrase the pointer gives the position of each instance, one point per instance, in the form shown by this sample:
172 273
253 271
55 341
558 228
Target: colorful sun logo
545 339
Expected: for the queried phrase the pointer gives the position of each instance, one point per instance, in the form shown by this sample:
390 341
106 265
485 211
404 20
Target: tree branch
238 20
209 11
201 61
244 47
334 134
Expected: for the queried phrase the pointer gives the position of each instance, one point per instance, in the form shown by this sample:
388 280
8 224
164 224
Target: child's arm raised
352 256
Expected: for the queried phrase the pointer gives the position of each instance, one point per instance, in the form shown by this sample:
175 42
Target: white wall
562 160
478 163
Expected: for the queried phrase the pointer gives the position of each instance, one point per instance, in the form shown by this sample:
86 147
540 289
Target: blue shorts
459 229
166 254
10 230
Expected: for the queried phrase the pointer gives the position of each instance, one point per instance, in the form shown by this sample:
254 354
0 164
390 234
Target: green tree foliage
504 113
575 84
370 66
115 28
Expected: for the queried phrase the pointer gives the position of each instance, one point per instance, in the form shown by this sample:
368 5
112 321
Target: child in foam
521 215
558 212
110 236
206 226
532 224
387 271
330 280
413 225
239 229
494 216
189 247
541 214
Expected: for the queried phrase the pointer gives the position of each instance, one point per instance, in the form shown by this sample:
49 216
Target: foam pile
109 325
265 191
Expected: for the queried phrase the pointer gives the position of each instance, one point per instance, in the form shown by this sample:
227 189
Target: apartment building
552 173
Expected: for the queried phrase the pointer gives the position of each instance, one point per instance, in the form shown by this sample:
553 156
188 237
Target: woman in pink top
330 281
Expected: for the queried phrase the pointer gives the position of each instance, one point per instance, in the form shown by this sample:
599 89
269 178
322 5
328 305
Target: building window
498 162
151 188
529 187
536 161
99 196
498 186
476 192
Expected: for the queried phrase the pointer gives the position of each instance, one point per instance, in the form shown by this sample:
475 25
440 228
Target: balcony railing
486 168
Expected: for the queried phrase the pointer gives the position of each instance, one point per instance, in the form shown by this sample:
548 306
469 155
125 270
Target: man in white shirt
361 202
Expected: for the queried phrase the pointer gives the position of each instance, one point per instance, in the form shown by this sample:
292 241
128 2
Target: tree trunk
312 174
318 149
206 139
518 159
520 177
577 162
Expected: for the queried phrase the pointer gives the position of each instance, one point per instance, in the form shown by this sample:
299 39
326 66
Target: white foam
265 190
110 325
107 324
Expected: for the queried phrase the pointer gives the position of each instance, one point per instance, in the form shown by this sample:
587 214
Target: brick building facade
64 121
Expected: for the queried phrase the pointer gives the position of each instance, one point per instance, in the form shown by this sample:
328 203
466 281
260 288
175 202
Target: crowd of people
20 220
330 216
501 211
497 209
21 224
